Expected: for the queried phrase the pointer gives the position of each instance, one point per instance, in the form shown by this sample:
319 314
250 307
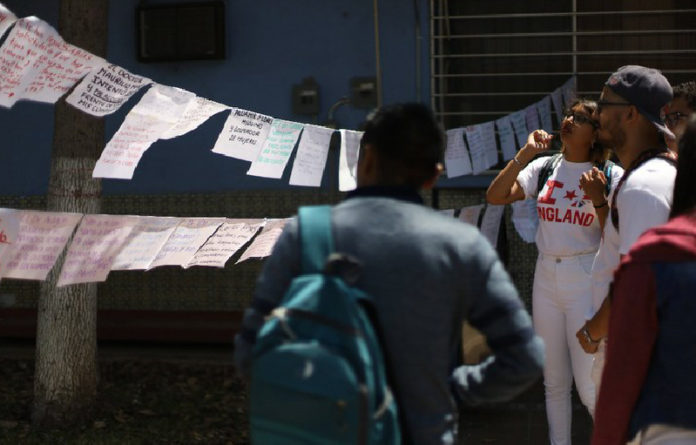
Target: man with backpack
630 113
421 272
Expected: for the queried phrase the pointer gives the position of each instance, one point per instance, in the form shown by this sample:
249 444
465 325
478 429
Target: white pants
561 302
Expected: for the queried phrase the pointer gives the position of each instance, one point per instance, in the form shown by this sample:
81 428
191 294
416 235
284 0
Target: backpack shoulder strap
316 240
606 167
549 166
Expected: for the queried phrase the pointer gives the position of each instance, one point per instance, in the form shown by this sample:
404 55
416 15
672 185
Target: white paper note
227 240
94 247
569 91
243 135
348 159
447 212
470 214
198 111
158 110
9 228
490 224
187 238
531 117
487 130
262 246
457 162
276 151
477 149
557 99
42 237
312 152
544 110
7 18
506 134
144 242
519 124
525 219
105 89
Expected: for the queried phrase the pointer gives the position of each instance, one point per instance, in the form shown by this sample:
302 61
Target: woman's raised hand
593 183
537 142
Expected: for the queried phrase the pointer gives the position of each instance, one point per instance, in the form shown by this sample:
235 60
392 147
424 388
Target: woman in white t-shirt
571 219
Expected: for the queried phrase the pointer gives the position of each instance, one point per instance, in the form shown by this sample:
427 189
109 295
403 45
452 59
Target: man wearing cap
629 113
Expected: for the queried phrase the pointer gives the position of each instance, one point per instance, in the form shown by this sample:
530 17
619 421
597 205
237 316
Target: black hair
408 142
687 90
684 198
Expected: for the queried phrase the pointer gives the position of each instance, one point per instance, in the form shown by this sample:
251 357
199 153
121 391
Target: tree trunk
65 380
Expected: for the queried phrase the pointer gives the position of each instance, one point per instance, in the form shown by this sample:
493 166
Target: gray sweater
427 273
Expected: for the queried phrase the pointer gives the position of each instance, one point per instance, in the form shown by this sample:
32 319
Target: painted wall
271 45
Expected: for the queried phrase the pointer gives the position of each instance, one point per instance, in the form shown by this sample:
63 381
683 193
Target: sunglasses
607 103
672 119
580 118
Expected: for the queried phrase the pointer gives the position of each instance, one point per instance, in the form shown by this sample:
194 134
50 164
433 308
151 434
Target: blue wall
271 45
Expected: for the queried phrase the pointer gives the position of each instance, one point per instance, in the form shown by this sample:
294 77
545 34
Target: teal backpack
319 375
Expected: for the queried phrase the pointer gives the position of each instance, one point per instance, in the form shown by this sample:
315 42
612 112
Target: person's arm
278 271
505 189
594 183
517 358
632 333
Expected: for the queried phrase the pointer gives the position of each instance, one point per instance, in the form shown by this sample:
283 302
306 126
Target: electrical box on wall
363 92
305 97
181 31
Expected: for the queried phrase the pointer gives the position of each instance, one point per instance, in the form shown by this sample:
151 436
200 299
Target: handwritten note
525 219
227 240
41 239
198 111
277 149
158 110
144 242
311 156
490 224
519 124
9 228
105 89
531 116
243 135
457 162
97 242
557 99
477 149
490 147
506 134
470 214
544 110
7 18
447 212
186 239
348 159
569 91
262 246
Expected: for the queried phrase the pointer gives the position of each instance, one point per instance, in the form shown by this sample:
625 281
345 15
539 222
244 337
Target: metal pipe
566 33
565 14
419 38
575 40
558 73
378 60
567 53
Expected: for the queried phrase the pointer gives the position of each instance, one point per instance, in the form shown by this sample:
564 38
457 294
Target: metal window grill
492 58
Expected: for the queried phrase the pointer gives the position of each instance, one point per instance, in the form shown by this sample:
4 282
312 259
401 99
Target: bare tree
65 380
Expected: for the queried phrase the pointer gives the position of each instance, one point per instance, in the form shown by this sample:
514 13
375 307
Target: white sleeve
528 178
646 210
615 173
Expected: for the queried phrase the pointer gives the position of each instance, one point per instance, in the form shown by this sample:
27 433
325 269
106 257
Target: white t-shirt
644 201
568 222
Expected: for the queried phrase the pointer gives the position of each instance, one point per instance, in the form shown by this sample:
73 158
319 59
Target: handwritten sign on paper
525 219
6 19
490 147
348 159
186 239
262 246
457 162
544 110
490 224
243 135
477 149
105 89
506 134
144 242
470 214
276 151
227 240
158 110
569 91
198 111
311 156
9 228
531 116
94 247
447 212
557 99
519 124
41 239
